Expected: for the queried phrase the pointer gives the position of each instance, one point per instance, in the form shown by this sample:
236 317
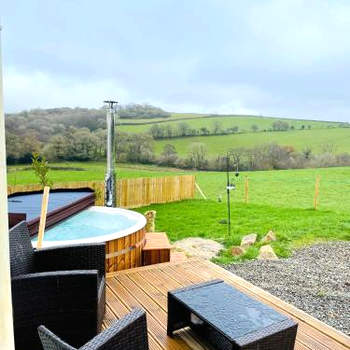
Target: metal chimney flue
110 178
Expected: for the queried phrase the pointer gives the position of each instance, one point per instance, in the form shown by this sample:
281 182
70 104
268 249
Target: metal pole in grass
230 186
228 189
110 178
6 321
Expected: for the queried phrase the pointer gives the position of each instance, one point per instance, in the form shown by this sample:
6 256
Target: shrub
41 169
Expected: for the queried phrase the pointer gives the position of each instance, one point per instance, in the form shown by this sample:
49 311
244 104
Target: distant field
314 138
278 200
197 121
173 117
319 134
83 172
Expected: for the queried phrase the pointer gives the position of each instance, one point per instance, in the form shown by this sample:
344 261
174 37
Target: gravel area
315 279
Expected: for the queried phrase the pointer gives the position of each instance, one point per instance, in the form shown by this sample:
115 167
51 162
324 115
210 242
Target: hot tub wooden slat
127 255
125 252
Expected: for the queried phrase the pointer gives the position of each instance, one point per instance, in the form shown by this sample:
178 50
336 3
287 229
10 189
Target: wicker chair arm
128 333
74 257
51 341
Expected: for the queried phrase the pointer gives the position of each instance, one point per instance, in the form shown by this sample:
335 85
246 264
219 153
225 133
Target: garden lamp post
6 322
110 178
229 187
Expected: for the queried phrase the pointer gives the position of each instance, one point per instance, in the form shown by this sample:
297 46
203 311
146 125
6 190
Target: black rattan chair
61 287
129 333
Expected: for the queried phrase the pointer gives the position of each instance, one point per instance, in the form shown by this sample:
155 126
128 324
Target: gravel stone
315 279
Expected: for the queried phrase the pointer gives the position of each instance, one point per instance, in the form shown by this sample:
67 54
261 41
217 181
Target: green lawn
281 201
294 227
218 145
278 200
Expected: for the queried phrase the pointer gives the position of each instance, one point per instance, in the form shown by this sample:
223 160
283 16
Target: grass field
314 138
200 120
321 133
83 172
278 200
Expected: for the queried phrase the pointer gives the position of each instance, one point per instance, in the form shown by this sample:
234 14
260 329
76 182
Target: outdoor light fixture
110 178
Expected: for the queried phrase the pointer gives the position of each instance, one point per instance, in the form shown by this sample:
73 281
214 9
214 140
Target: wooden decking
147 287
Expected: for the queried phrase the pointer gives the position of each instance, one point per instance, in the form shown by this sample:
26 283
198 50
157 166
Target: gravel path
315 279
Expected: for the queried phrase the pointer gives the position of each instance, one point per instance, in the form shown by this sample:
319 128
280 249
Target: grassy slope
278 200
314 138
197 121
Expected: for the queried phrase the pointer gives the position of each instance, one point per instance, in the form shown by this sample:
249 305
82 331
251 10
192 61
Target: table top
228 310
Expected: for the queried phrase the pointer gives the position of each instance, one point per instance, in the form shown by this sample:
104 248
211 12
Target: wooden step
157 248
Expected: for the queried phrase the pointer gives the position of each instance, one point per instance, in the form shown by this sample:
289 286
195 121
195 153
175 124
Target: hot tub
122 230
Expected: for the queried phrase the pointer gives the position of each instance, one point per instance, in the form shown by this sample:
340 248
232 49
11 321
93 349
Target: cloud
284 58
42 90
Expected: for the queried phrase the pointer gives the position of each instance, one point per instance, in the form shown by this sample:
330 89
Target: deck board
147 287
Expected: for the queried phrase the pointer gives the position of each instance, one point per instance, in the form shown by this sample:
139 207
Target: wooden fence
131 193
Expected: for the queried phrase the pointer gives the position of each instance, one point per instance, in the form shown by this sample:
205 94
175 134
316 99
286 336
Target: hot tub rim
140 224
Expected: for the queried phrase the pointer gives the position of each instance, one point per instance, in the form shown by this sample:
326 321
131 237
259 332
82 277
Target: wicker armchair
129 333
61 287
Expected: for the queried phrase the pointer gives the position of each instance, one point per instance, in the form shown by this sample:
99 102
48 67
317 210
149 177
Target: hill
190 140
319 140
243 122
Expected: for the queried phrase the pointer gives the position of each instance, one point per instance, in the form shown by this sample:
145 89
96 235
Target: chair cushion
21 250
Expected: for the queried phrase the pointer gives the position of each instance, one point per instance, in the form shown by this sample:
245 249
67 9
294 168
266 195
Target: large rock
237 250
248 240
266 252
269 237
199 247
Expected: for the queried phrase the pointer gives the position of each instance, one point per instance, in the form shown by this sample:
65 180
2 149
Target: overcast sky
272 57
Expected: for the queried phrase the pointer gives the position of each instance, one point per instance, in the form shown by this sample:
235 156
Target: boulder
237 250
199 247
266 252
269 237
248 240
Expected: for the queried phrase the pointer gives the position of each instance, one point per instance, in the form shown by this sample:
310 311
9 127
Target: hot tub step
157 248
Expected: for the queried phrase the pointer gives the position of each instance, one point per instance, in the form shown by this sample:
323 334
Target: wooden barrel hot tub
122 230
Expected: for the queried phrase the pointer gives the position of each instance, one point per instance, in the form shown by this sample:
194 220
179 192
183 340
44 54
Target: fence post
246 189
200 191
317 191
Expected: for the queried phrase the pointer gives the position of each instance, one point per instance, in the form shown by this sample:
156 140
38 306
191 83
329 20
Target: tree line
268 156
66 133
184 129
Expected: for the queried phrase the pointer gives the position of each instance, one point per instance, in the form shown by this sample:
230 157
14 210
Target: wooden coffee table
228 318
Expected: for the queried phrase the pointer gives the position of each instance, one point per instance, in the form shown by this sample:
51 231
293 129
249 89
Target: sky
286 58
